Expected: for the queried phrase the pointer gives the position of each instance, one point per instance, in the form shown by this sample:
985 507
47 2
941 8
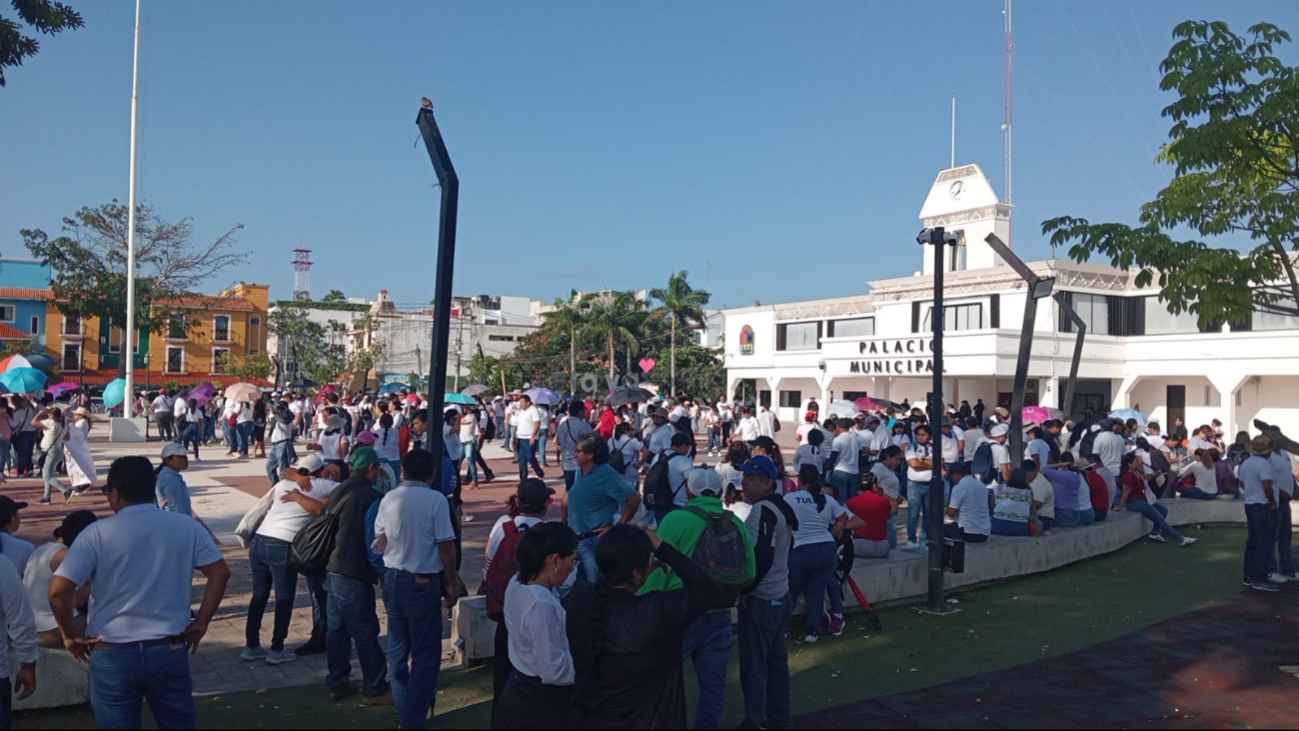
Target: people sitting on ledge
968 505
1135 499
1043 514
1012 505
871 509
1199 481
1073 495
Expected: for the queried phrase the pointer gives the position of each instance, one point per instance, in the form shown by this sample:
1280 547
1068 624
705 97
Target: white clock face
955 191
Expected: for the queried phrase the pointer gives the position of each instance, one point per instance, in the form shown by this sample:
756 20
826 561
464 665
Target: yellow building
233 323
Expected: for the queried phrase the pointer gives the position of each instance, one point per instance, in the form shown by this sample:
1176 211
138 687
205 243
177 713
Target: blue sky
777 151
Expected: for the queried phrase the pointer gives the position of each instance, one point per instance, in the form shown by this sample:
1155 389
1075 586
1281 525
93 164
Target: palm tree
681 304
614 322
568 317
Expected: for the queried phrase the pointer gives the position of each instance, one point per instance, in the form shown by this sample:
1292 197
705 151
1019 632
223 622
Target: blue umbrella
460 398
1125 414
392 387
23 380
543 396
114 393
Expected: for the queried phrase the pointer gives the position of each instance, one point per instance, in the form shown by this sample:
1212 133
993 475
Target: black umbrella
624 395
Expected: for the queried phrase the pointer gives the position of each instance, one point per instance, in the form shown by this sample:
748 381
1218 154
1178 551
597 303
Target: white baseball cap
1000 430
174 450
704 480
311 463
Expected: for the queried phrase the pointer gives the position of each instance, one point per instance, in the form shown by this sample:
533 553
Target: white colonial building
1136 354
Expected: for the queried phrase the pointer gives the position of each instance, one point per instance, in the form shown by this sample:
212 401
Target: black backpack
313 545
982 466
1085 448
616 458
722 552
659 492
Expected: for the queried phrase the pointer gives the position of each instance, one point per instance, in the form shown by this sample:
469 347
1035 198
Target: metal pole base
946 611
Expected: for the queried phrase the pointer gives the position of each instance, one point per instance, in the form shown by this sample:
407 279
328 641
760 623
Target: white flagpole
128 346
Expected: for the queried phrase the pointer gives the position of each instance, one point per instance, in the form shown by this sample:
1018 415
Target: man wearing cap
1000 454
15 549
140 564
764 659
350 582
1258 486
968 505
708 640
597 492
281 434
413 532
172 492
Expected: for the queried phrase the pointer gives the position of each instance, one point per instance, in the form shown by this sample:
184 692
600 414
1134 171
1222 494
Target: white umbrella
843 408
17 361
243 392
474 389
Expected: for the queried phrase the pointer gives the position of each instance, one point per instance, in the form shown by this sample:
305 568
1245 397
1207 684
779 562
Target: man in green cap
350 581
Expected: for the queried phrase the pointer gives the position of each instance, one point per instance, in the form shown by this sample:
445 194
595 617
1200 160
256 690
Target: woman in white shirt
40 570
539 691
469 443
333 440
1202 476
630 446
810 452
813 560
387 444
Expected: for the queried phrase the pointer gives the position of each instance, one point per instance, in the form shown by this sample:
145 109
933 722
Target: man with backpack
665 483
718 541
991 464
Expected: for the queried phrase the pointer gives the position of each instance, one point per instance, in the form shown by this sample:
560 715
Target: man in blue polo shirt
140 563
598 490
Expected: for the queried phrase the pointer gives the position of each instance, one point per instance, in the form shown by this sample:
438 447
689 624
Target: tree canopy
1235 161
42 16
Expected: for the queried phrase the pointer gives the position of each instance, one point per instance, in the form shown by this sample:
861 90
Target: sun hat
1260 445
335 422
366 437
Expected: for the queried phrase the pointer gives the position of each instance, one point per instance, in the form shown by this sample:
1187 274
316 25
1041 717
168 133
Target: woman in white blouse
539 692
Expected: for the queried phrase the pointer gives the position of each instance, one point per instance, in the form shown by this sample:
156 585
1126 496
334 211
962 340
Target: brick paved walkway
1220 668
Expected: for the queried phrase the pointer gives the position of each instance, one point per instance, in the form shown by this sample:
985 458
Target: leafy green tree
680 304
334 295
89 264
43 16
1235 161
253 366
615 322
319 354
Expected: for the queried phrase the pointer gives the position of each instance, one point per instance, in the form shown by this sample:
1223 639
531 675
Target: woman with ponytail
626 646
814 558
387 444
539 691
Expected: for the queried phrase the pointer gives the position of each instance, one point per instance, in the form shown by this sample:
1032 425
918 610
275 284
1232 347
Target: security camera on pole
939 239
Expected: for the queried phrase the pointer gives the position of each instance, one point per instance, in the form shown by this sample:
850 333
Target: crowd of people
598 607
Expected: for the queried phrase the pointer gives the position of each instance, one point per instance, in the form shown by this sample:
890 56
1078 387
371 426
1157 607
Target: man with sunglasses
140 563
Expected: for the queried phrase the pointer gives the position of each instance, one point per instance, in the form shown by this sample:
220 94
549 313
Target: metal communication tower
301 274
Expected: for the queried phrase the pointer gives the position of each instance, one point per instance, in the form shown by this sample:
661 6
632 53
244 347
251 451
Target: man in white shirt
280 435
179 407
1000 453
162 415
953 445
413 532
1109 445
728 420
659 440
527 425
768 423
1258 486
543 432
748 426
511 422
969 506
974 436
865 435
140 564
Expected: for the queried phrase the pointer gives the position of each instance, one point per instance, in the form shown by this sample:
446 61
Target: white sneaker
1187 540
1157 537
250 654
1279 578
810 638
283 656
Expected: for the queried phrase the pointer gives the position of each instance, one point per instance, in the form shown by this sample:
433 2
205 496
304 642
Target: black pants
6 704
529 704
1101 513
482 464
501 668
954 531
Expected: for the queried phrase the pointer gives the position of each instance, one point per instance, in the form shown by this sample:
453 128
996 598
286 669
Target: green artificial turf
999 626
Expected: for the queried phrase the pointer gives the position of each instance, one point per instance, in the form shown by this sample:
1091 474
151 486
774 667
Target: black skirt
527 703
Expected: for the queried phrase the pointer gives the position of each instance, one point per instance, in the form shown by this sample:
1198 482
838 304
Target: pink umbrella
202 393
1038 414
411 398
328 389
59 388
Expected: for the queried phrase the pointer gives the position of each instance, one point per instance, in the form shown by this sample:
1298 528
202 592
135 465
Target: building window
798 336
220 359
71 357
7 313
177 327
221 328
501 338
254 335
1159 321
1094 309
115 339
36 325
956 317
175 359
861 327
791 399
71 325
1274 321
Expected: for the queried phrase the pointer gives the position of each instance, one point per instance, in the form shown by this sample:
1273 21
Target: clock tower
962 200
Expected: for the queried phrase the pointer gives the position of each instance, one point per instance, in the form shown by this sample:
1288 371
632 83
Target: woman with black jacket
626 646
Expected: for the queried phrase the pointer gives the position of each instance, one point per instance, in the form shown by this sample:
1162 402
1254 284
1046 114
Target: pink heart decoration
647 364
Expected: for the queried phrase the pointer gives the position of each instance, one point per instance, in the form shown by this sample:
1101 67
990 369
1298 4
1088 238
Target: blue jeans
891 525
209 427
708 642
527 456
917 505
1003 527
541 446
811 573
277 461
243 436
764 664
586 557
1284 537
1157 514
49 470
715 440
352 619
1066 518
845 485
1262 540
414 643
467 452
193 434
1196 493
122 678
319 609
269 560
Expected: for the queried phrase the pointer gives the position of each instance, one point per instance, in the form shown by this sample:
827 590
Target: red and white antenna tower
301 274
1010 105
